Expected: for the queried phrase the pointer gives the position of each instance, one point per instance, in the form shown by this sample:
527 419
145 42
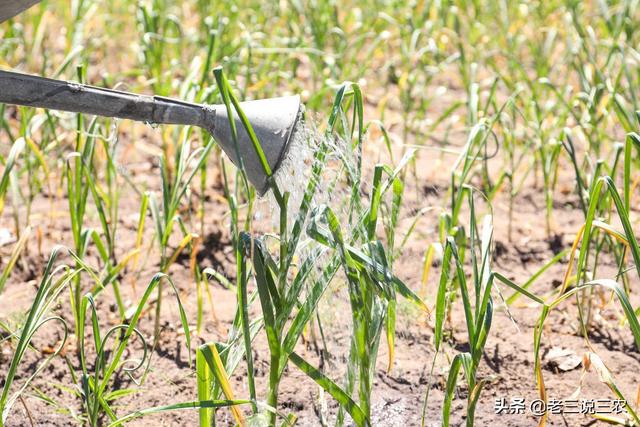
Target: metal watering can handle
34 91
10 8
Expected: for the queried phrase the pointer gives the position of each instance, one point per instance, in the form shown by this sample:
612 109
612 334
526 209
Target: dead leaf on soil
563 359
6 237
48 350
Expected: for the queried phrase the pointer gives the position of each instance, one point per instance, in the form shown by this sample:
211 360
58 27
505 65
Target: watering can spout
272 120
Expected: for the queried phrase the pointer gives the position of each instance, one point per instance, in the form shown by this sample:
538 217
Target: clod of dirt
562 359
555 243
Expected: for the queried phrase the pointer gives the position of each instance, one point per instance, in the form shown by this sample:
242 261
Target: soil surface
508 363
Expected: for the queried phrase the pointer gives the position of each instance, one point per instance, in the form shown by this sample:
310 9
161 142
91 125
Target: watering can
273 120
